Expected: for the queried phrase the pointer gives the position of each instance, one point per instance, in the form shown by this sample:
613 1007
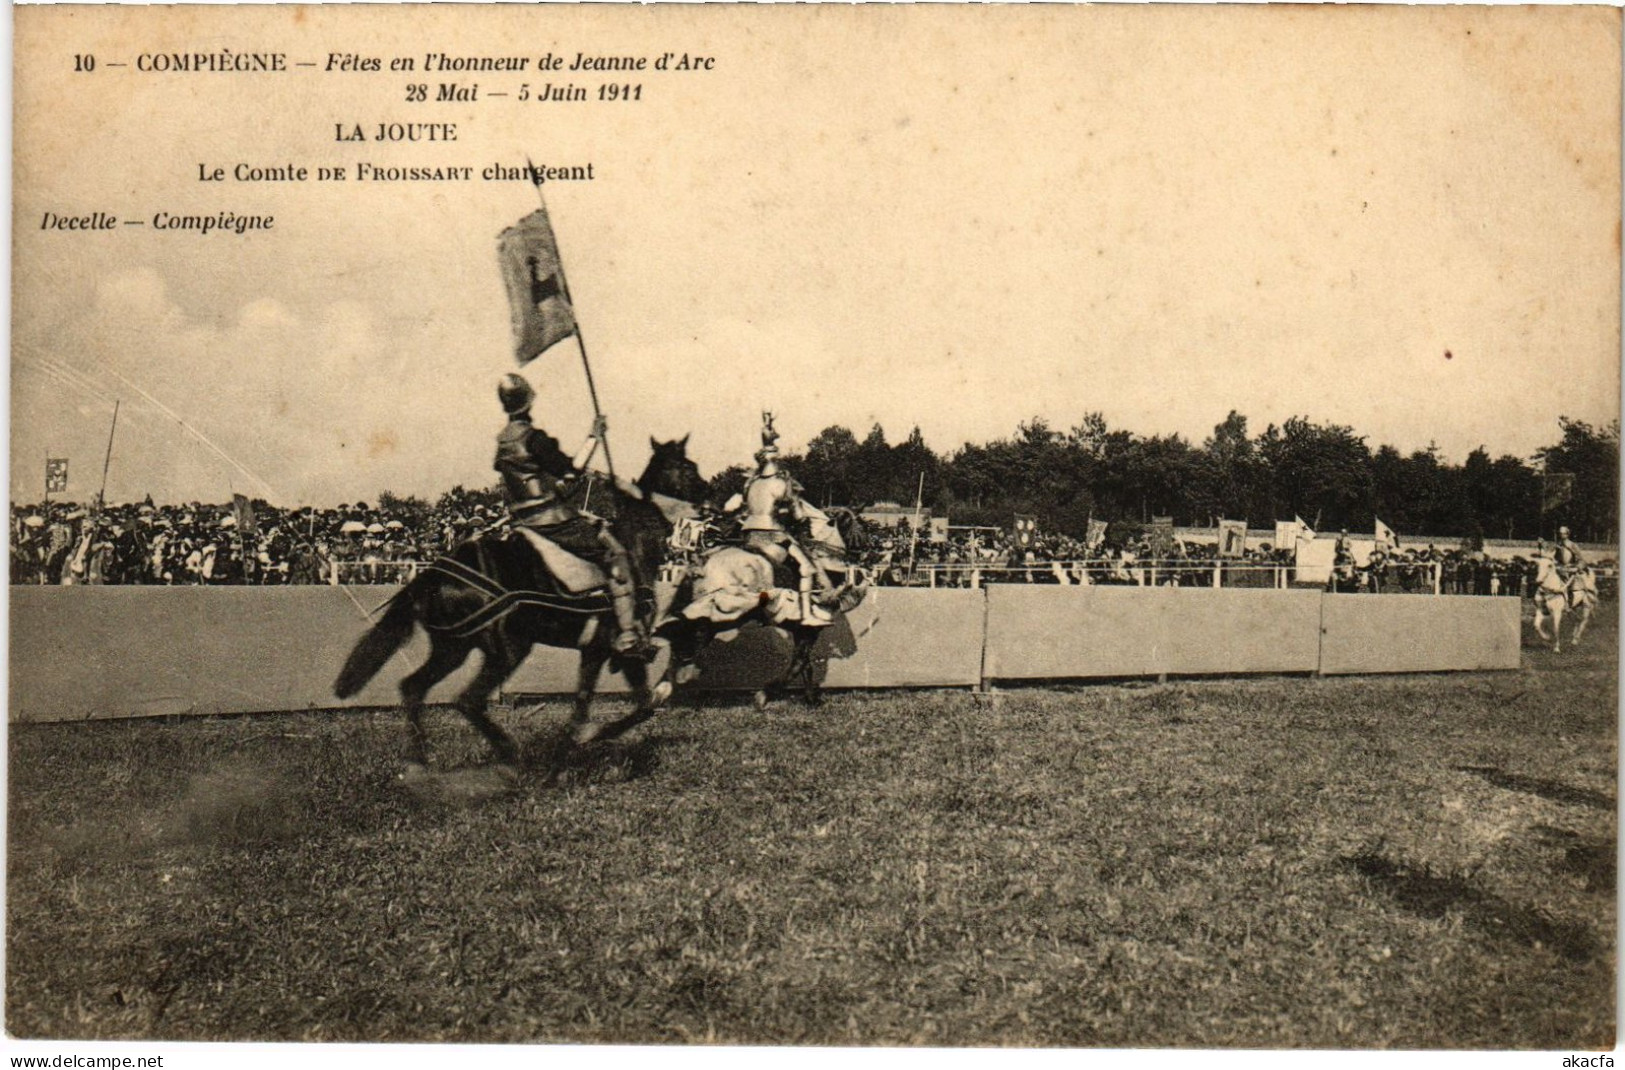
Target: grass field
1421 861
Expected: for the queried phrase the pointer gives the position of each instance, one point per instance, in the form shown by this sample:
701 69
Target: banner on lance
538 298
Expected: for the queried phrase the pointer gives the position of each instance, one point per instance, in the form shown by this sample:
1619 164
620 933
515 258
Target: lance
581 339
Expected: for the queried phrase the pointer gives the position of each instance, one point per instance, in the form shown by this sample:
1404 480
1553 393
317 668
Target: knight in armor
536 473
770 493
1566 555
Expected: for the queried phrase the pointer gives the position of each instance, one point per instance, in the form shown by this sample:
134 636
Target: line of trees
1324 473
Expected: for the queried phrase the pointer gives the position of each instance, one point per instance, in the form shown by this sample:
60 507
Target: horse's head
857 535
1547 577
672 473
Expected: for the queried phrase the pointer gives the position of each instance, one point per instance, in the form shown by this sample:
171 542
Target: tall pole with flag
101 495
914 529
539 295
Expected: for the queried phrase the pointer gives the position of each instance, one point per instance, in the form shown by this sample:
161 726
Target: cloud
293 391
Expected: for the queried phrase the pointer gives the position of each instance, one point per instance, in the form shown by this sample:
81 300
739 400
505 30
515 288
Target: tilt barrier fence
82 653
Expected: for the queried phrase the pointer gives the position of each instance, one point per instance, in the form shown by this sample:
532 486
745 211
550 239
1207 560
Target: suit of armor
1566 555
534 470
769 493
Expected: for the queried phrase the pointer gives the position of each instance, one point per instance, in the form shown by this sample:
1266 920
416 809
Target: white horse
1555 595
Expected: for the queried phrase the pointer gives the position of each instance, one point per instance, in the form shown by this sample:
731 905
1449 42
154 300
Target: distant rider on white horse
1577 574
1563 581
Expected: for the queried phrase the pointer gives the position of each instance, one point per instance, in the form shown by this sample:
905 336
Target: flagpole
101 495
47 484
581 339
237 528
914 532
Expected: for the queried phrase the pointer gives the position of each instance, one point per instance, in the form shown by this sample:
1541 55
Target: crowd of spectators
990 555
969 559
200 543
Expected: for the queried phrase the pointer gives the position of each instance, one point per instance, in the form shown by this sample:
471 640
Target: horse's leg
472 702
805 639
443 661
636 671
686 645
1582 618
592 664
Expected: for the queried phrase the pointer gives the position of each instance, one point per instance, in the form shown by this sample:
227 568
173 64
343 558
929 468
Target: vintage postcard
927 527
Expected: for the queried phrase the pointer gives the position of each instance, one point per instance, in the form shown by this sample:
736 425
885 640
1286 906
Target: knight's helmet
515 393
767 457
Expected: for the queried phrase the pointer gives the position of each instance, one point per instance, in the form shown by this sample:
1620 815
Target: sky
1405 220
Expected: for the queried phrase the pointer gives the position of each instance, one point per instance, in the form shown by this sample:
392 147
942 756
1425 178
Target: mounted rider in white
1575 570
769 494
1567 555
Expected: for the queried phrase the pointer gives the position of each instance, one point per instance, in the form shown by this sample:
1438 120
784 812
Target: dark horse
492 594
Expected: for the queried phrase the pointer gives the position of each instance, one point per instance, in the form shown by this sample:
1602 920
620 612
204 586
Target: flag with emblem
1096 534
1232 538
1160 536
1555 489
243 510
56 475
538 299
1026 528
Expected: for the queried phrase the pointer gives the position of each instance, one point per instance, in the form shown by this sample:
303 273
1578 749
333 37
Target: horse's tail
378 645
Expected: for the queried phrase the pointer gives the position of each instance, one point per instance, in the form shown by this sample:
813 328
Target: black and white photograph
921 528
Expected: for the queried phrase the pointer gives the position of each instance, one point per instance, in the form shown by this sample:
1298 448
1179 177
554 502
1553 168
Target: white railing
371 572
1160 572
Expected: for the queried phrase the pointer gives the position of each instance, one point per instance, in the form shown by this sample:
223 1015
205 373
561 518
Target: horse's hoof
760 698
686 674
660 695
413 772
584 734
